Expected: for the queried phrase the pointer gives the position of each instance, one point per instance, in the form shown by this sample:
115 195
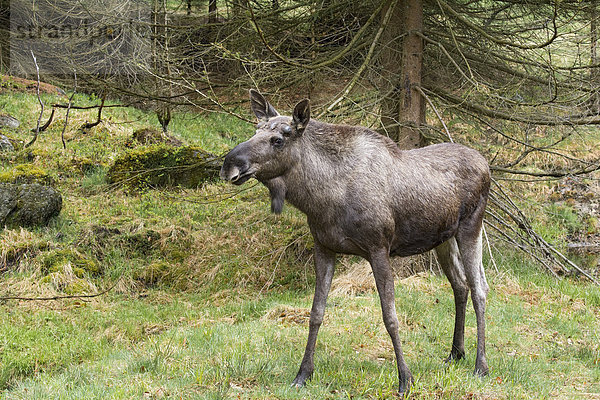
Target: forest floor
209 294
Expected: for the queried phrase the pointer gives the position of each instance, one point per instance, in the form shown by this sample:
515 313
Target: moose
364 196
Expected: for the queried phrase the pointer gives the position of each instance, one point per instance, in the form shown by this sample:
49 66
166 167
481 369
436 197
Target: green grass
212 293
542 343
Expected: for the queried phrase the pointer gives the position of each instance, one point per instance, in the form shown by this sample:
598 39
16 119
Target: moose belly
410 240
360 234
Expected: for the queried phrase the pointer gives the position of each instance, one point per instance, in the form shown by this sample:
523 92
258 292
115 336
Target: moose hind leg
448 256
384 279
470 245
324 268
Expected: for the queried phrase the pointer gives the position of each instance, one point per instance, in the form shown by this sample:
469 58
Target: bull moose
362 195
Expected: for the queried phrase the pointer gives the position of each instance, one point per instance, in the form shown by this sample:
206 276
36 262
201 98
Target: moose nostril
234 174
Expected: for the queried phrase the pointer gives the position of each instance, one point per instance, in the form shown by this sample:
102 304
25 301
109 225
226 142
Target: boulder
6 144
163 166
8 121
28 205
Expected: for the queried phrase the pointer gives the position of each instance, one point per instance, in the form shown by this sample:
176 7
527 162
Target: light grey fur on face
362 195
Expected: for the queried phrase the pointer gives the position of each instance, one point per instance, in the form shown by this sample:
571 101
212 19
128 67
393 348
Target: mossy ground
26 173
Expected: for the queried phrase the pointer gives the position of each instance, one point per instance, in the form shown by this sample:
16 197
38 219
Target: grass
542 343
212 293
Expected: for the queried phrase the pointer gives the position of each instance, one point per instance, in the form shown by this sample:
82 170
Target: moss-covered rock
26 173
67 282
84 165
28 204
54 261
7 144
77 286
153 136
143 242
162 166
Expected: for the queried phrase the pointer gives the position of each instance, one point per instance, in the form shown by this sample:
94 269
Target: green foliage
17 144
565 216
542 343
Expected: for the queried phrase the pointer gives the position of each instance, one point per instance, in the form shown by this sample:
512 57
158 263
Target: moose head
271 151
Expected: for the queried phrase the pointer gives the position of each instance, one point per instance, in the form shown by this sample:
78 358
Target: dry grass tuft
288 314
18 245
356 280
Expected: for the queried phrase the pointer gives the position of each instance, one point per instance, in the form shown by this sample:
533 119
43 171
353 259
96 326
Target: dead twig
61 297
37 91
62 134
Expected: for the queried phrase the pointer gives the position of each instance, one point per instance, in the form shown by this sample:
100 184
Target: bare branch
62 134
37 91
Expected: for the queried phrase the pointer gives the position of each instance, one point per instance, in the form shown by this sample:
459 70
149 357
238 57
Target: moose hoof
454 356
301 379
404 386
481 370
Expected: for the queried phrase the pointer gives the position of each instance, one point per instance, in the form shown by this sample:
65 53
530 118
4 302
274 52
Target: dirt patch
15 84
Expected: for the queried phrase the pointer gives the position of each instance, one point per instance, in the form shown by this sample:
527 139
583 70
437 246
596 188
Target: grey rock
8 121
6 144
28 205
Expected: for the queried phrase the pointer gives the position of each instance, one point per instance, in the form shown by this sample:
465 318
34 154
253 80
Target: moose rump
363 195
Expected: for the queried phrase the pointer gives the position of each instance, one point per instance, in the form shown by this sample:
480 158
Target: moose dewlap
362 195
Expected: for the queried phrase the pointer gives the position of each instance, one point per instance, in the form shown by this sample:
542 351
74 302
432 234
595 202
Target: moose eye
276 141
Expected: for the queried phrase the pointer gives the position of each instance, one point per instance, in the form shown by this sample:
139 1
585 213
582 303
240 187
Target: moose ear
261 107
301 115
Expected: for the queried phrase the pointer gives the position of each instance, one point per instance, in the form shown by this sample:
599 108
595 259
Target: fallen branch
58 105
61 297
526 238
46 125
89 125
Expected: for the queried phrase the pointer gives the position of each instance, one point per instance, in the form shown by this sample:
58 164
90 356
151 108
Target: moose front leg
384 279
324 268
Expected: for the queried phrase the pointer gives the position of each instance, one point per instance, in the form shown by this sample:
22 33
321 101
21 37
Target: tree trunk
4 36
594 59
212 11
403 108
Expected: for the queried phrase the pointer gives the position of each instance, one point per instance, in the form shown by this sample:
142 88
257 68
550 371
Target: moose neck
315 182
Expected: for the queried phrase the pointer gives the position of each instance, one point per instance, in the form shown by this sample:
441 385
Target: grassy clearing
213 293
542 343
